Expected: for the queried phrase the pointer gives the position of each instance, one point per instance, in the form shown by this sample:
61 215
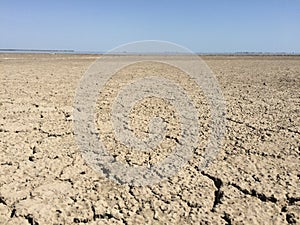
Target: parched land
254 179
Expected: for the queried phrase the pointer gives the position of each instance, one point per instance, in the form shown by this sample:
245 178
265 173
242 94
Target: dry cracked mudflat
254 179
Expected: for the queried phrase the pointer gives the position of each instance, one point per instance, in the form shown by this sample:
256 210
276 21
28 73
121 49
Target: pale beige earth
254 179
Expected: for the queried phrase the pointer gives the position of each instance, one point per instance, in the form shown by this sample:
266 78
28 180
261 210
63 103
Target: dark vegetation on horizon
34 50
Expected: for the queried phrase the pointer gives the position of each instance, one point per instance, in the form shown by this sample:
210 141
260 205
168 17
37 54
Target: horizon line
71 51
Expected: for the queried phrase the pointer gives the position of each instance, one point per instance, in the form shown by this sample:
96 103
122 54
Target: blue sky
202 26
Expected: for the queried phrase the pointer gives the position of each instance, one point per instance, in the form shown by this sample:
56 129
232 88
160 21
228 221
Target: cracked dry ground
255 178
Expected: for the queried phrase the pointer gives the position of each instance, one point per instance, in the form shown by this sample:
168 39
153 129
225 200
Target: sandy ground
255 178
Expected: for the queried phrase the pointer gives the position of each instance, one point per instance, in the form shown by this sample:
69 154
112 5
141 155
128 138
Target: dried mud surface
255 178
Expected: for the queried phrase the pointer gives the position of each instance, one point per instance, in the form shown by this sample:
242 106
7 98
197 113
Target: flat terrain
254 179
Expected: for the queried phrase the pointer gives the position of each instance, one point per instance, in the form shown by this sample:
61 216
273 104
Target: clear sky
202 26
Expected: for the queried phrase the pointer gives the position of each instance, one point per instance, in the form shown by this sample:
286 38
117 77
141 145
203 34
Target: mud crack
218 193
227 218
31 220
254 193
2 201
